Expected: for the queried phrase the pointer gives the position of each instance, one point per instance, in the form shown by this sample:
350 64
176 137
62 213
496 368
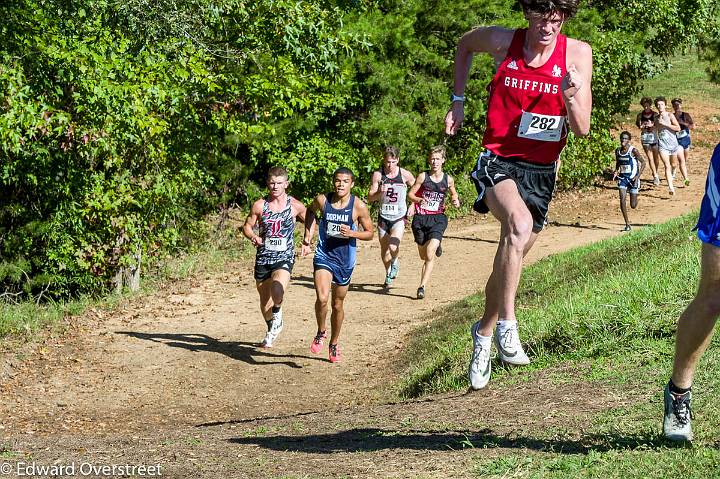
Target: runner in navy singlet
629 164
275 216
389 186
429 223
339 212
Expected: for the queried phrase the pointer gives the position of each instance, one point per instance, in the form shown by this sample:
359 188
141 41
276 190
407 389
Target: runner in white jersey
629 165
275 216
389 186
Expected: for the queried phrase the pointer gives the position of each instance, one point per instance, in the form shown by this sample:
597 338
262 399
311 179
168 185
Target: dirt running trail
175 378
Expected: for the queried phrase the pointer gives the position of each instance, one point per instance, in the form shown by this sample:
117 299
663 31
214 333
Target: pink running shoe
335 355
318 341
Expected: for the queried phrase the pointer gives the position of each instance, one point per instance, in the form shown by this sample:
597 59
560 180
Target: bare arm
687 121
299 209
310 220
361 214
492 40
408 177
454 198
576 86
251 221
375 193
412 194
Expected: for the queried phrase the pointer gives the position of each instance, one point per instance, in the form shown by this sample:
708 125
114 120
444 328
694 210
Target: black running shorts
388 225
264 271
427 227
535 183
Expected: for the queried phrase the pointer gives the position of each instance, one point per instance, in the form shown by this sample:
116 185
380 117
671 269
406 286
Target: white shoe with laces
274 329
479 370
507 341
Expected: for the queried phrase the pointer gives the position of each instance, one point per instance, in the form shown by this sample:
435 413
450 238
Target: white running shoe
479 370
509 347
276 326
678 414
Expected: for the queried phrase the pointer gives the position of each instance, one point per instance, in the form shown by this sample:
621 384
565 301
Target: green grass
606 312
685 78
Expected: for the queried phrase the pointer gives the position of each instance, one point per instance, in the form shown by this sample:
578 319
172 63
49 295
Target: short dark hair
277 171
392 151
676 100
660 98
547 7
625 133
645 99
344 171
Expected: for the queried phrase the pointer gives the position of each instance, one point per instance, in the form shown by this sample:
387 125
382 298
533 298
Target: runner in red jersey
540 92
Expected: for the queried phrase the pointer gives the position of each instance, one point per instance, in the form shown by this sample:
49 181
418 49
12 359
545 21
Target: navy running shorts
708 225
340 276
625 183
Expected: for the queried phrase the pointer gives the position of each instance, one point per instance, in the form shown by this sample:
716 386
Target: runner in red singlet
540 91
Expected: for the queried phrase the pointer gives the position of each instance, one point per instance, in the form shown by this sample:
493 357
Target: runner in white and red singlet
540 91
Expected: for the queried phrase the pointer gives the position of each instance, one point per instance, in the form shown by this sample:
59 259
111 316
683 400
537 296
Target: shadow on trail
578 225
373 288
374 439
237 350
469 238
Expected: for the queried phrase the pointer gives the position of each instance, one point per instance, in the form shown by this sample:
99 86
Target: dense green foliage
122 123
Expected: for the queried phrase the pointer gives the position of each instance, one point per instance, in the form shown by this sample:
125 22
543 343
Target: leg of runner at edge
694 332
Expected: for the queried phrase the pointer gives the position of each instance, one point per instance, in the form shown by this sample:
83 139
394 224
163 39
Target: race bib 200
333 229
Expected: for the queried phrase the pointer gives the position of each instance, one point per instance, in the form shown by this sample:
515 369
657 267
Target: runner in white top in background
389 186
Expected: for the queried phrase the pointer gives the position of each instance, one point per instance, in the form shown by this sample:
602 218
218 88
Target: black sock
276 309
676 390
269 324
